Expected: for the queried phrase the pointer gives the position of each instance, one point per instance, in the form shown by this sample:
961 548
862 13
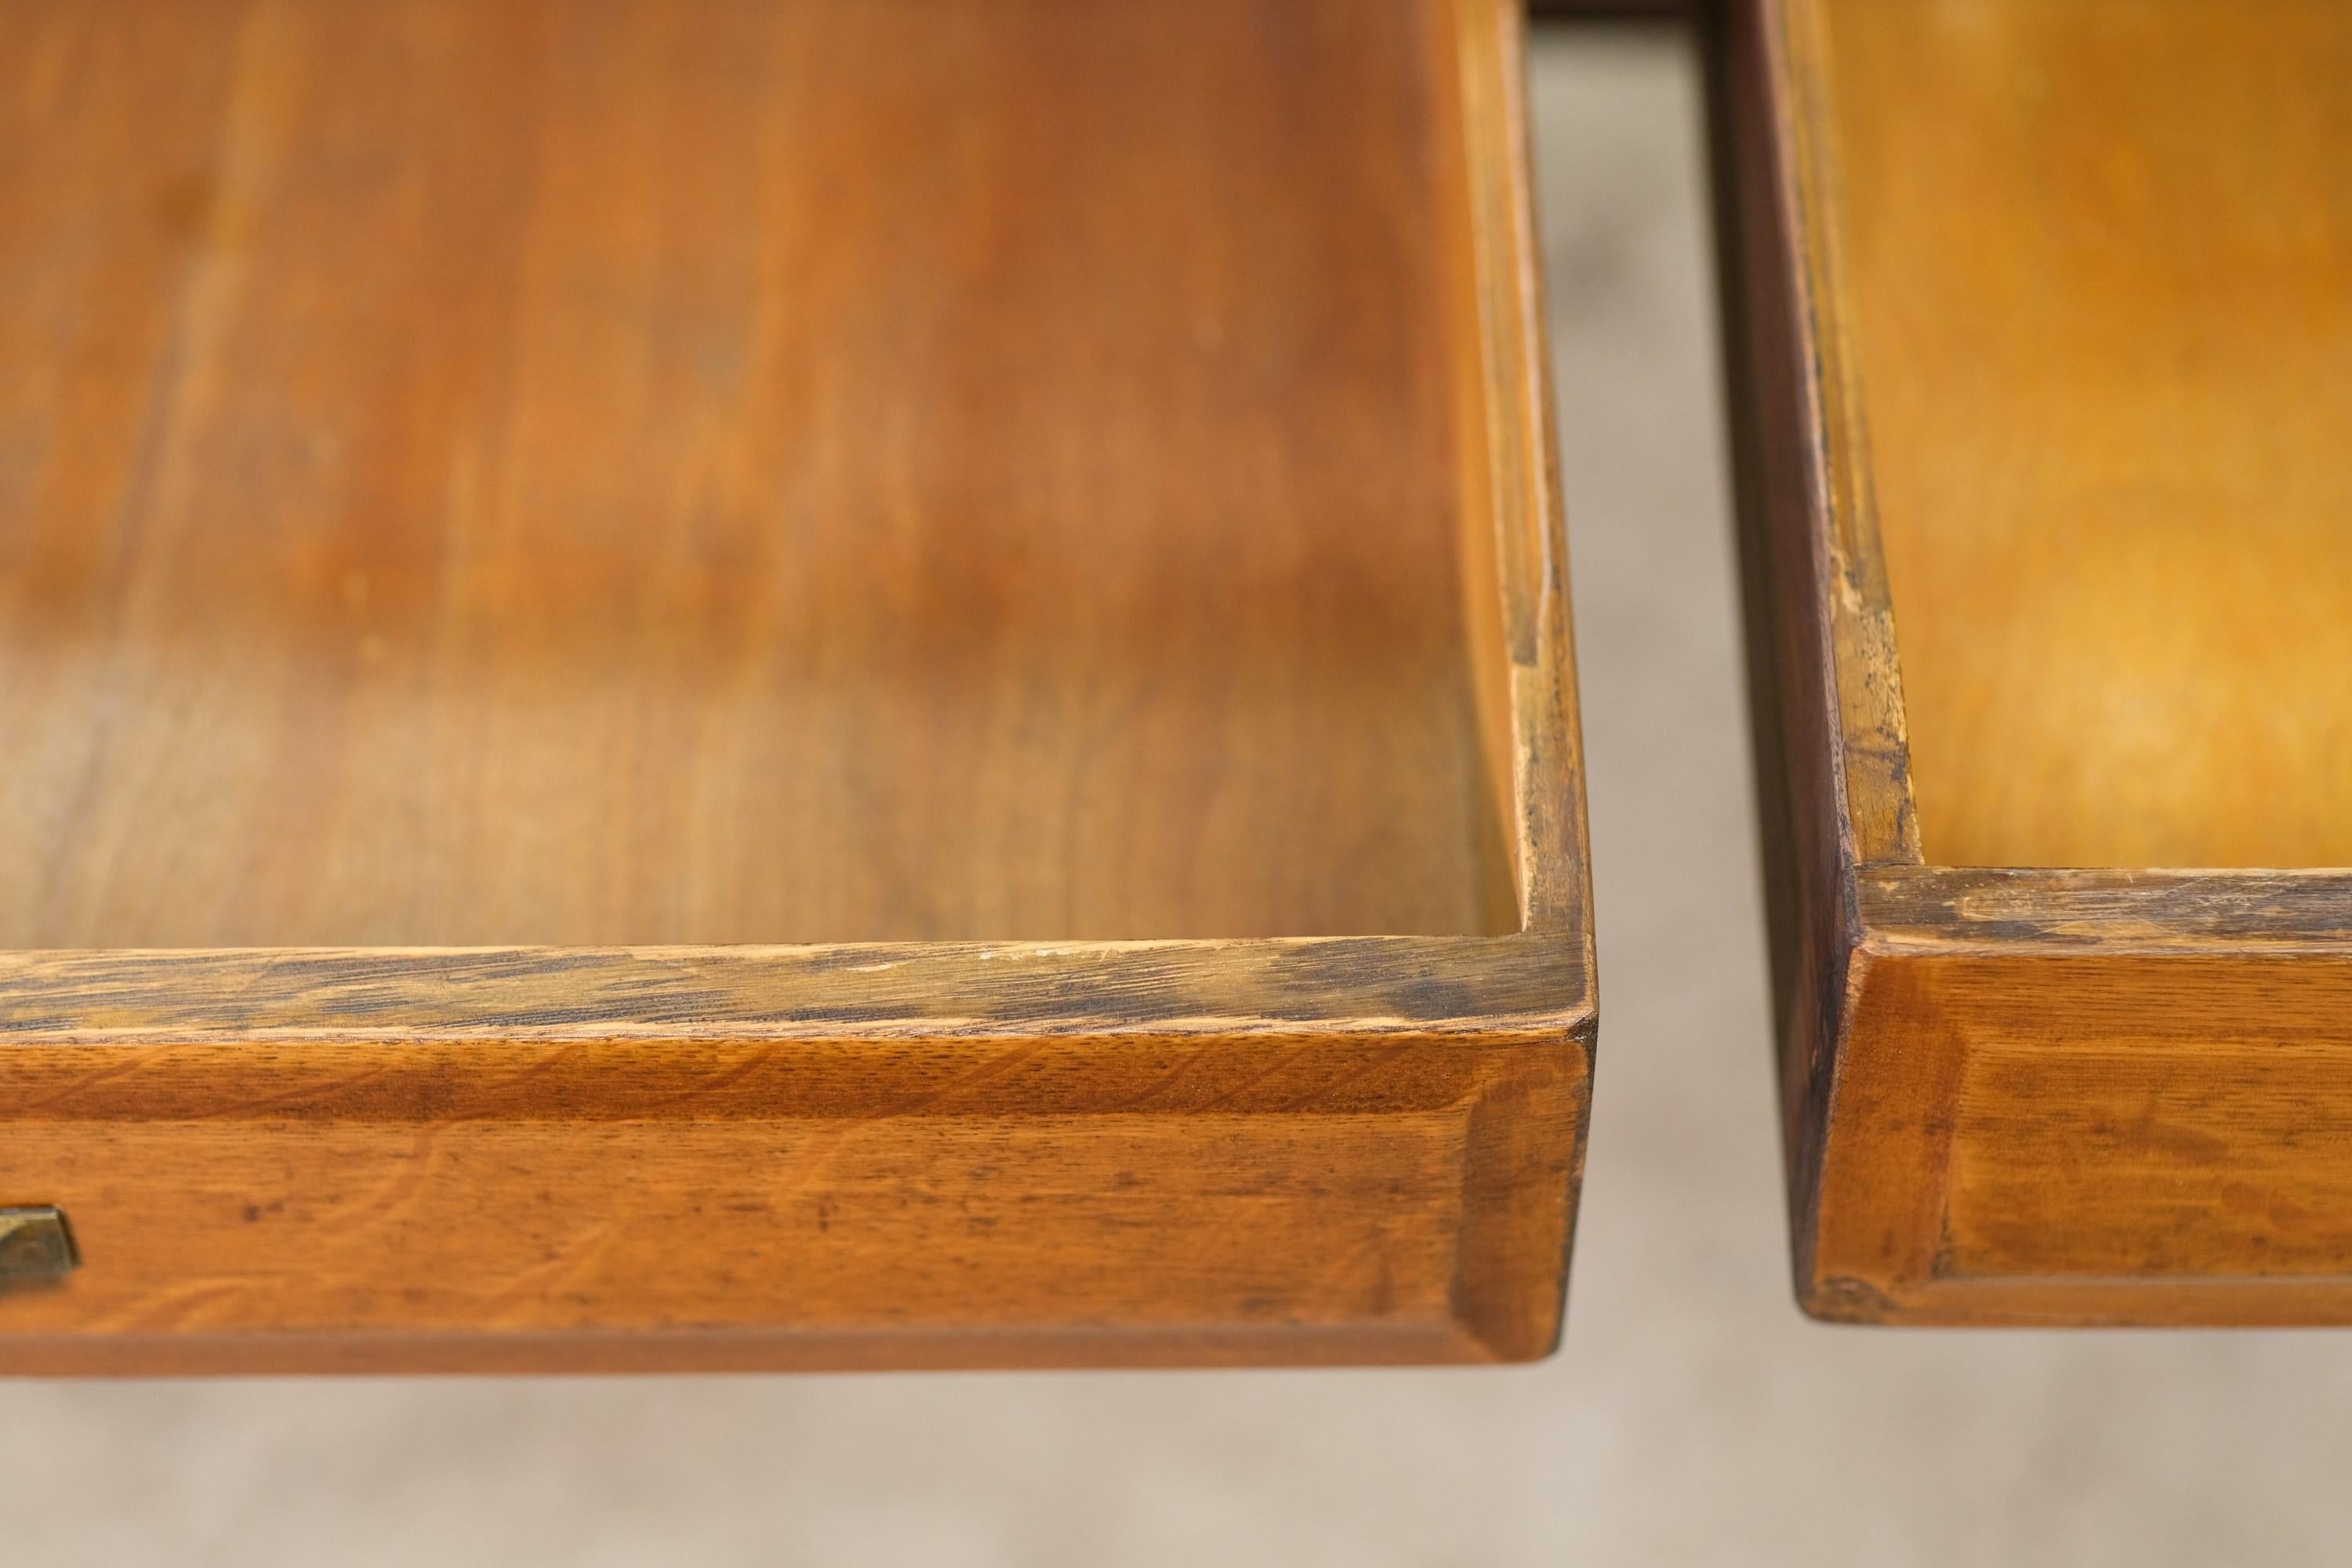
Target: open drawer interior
809 683
2048 483
491 473
2098 270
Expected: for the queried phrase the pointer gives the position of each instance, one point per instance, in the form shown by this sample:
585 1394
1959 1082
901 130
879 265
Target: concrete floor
1694 1417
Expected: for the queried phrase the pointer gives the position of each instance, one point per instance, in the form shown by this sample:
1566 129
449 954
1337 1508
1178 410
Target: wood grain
2030 307
1058 1199
796 684
912 1155
2103 336
2117 1132
624 474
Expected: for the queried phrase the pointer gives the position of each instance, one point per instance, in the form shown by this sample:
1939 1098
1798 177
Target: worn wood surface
1780 489
798 1194
2018 396
487 490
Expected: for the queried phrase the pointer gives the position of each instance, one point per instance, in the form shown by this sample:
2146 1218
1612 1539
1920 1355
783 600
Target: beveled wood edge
1882 1253
1491 1299
1364 986
1875 807
1506 1301
2089 1300
1552 850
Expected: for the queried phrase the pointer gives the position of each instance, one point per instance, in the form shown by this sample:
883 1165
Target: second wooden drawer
2044 317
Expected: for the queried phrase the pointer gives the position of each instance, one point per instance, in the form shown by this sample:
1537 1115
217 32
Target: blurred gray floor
1693 1416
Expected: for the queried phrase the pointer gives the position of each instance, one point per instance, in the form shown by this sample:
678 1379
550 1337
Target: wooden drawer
808 684
2046 348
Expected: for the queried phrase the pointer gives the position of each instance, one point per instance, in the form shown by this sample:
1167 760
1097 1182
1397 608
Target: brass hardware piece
36 1248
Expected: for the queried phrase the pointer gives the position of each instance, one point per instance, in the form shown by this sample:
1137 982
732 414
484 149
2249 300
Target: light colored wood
2104 337
496 499
2037 312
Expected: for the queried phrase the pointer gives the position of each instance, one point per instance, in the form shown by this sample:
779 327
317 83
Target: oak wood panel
783 472
952 473
2085 1092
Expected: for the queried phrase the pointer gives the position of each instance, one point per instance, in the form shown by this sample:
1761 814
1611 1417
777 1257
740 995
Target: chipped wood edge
1940 908
1369 985
1874 745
